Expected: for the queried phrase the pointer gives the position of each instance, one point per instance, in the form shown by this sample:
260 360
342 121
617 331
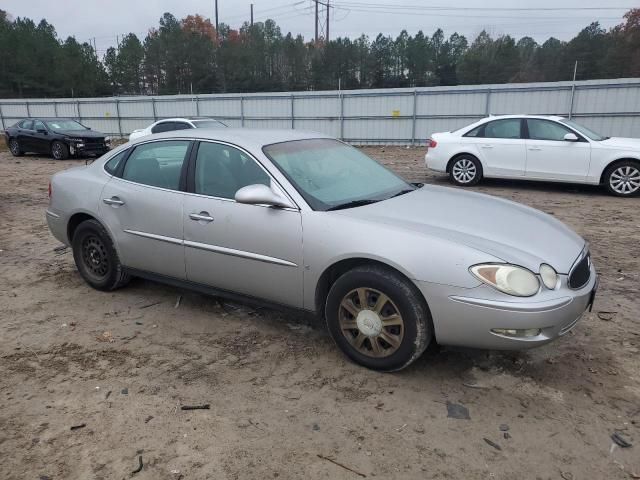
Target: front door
255 250
551 157
142 206
502 149
40 138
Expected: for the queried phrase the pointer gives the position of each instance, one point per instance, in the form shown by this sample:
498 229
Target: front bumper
466 316
87 149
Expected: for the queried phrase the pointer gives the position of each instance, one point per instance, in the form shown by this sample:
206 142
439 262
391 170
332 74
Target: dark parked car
58 137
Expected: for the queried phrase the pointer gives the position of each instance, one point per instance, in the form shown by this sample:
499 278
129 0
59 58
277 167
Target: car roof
524 115
245 137
186 119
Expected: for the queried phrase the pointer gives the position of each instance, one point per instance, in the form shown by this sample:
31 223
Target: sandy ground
284 402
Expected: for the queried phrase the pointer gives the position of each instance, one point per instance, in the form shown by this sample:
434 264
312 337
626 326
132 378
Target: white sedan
532 147
171 124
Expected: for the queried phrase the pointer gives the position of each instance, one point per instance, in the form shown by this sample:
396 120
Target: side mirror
259 194
571 137
42 130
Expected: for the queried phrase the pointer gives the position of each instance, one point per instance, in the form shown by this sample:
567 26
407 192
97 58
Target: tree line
189 55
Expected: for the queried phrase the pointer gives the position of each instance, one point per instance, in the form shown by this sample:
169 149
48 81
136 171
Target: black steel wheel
96 257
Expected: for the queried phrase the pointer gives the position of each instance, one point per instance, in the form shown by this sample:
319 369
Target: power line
350 3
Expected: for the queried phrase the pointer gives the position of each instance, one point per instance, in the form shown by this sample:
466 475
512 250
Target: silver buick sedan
304 221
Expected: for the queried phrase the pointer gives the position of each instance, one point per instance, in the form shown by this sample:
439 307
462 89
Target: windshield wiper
354 203
402 192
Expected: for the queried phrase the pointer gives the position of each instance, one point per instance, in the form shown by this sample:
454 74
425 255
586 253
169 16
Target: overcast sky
539 19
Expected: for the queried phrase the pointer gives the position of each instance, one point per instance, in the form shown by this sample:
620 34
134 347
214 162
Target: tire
14 148
363 338
96 257
623 178
465 171
59 151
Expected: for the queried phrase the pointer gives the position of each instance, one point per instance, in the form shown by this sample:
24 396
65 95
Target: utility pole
316 21
217 33
326 38
252 14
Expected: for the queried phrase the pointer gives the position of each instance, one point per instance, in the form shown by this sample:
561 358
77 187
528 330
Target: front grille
94 142
579 275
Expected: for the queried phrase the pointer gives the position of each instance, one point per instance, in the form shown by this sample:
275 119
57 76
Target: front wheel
96 257
378 318
15 149
465 171
623 179
59 151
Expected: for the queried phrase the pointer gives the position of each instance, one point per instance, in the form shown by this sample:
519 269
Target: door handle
113 201
201 217
487 146
535 148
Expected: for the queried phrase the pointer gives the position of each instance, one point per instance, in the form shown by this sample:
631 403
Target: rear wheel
623 178
378 318
96 257
59 151
465 171
14 147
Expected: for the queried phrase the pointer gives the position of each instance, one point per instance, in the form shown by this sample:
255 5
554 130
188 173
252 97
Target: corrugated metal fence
391 116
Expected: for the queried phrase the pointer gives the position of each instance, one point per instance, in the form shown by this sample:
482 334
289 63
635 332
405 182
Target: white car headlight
549 276
509 279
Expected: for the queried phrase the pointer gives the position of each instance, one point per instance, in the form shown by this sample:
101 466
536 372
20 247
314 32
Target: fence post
153 105
413 124
28 111
573 93
341 115
55 109
118 114
487 105
242 110
197 106
2 117
78 111
293 117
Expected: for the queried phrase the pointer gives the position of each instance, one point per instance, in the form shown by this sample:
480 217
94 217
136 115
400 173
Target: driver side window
222 170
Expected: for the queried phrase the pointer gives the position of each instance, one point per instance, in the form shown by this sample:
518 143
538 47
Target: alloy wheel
56 151
625 180
95 256
371 322
14 147
464 170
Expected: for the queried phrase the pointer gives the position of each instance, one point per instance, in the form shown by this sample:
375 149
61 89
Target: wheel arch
613 163
338 268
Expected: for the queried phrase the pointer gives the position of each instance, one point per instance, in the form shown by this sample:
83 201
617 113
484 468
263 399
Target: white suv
534 147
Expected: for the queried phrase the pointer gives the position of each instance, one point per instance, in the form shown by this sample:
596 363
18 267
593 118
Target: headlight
107 140
549 276
509 279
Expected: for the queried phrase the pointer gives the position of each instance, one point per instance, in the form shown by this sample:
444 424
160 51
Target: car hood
503 229
621 142
81 133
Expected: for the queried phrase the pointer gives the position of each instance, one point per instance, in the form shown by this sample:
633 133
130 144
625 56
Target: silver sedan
307 222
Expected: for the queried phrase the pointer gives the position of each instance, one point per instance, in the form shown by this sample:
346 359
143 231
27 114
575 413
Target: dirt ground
284 402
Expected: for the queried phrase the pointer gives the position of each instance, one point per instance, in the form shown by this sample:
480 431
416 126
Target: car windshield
331 175
65 125
584 130
208 124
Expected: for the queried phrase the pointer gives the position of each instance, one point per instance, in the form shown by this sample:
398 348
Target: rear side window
181 126
163 127
157 164
476 132
112 165
507 128
26 124
222 170
546 130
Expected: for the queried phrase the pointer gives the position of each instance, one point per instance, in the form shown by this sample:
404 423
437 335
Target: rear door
24 135
142 206
551 157
502 148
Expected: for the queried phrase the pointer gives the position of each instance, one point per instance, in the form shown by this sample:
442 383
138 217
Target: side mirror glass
259 194
571 137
